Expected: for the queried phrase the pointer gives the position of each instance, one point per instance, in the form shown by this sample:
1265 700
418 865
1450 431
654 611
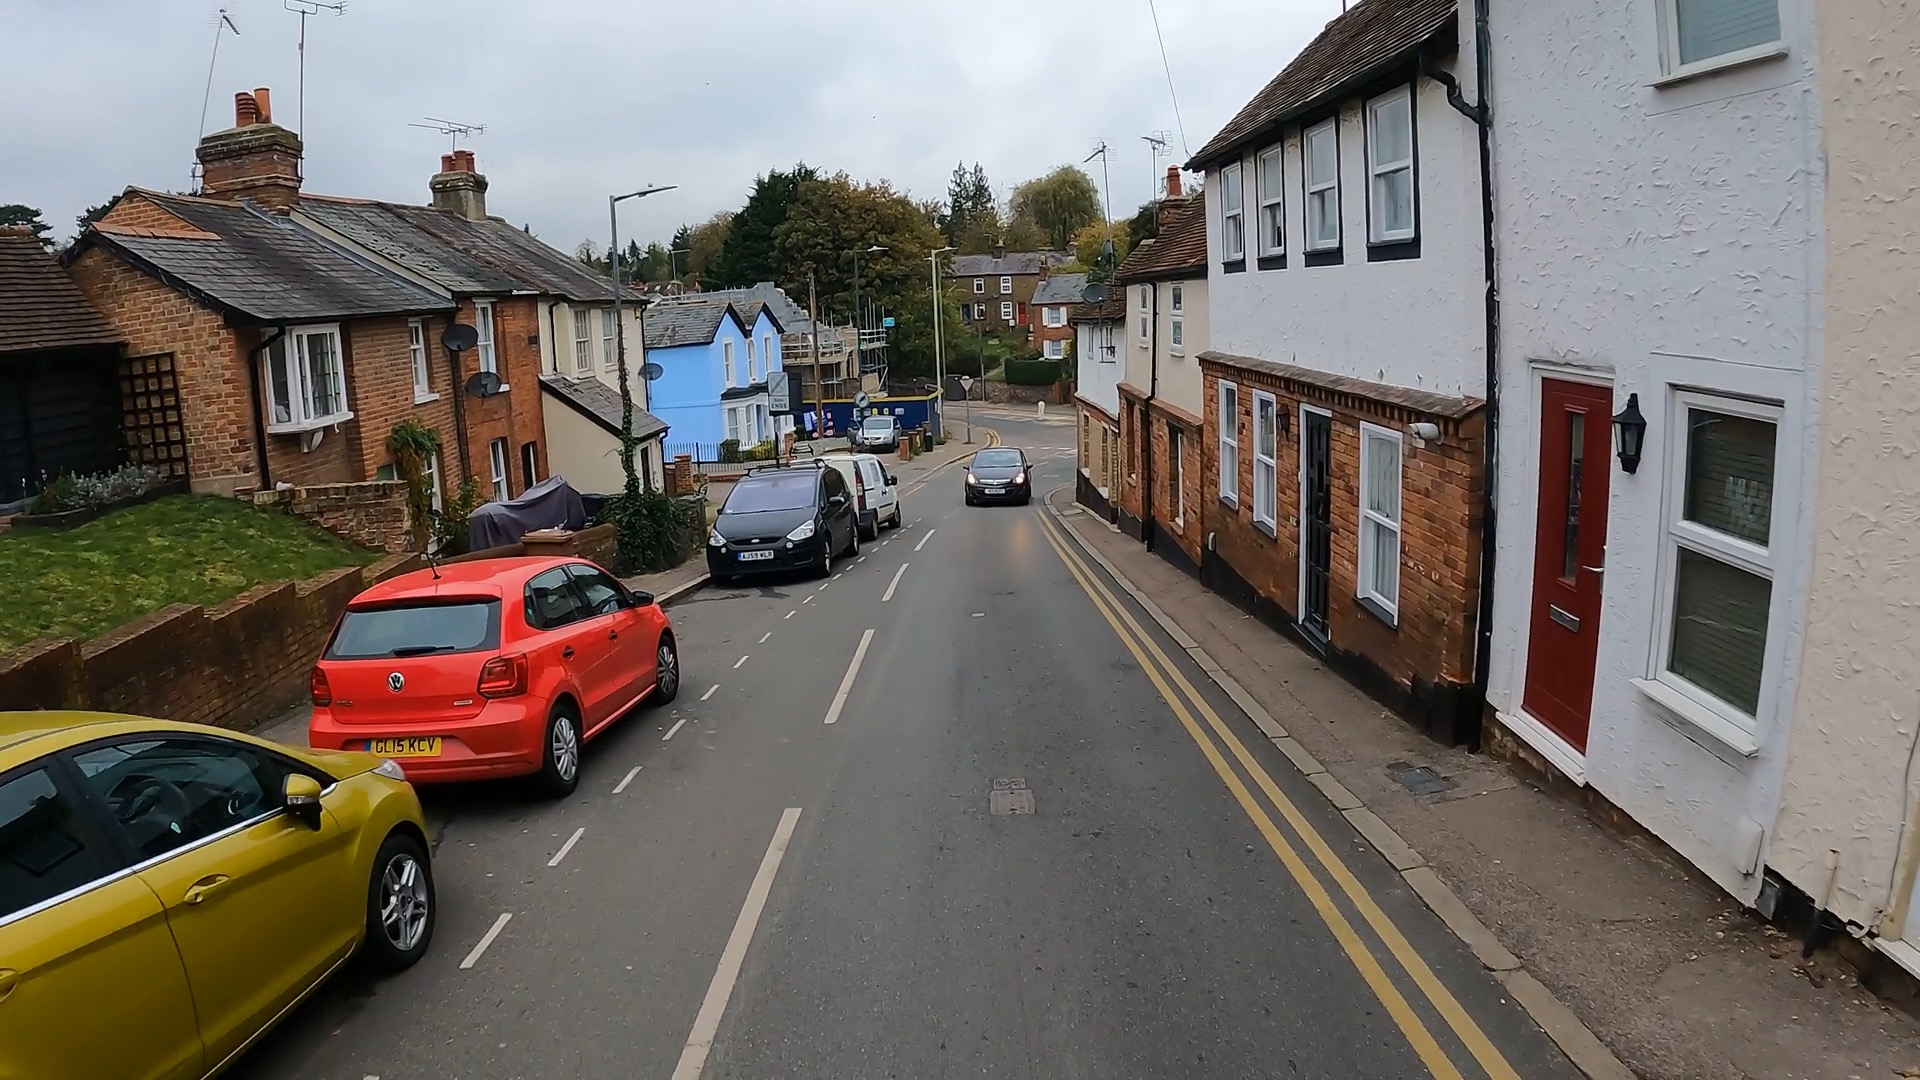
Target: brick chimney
1172 199
459 188
999 251
254 159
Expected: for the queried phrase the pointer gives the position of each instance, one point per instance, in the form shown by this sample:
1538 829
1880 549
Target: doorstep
1674 978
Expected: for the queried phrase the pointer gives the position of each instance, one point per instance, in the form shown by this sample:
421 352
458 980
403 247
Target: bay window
306 380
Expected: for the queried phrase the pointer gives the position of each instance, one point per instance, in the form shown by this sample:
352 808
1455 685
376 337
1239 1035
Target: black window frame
104 816
1392 250
527 608
622 595
491 644
1336 255
111 861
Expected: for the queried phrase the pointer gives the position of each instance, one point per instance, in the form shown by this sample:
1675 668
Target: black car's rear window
417 630
997 459
771 491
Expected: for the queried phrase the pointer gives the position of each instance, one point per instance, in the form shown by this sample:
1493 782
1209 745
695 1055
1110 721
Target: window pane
1730 474
1576 460
1273 229
1710 28
1383 561
1719 628
552 602
1322 161
1393 201
1270 175
603 596
1263 433
416 630
280 380
43 850
322 370
1230 199
167 793
1392 132
1383 477
1325 214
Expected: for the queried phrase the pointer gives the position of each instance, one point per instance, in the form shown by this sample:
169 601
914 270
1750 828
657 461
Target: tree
589 253
21 214
970 205
746 257
1101 248
1057 205
1144 225
95 213
704 243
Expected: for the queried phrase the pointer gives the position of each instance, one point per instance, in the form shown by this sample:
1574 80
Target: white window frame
1006 286
1006 311
979 286
1269 513
766 352
1375 439
726 361
752 369
1146 316
300 415
1314 242
1176 323
499 460
1378 169
1273 203
1233 214
483 350
1054 349
1226 407
434 483
417 356
1673 69
1721 719
733 424
582 341
609 340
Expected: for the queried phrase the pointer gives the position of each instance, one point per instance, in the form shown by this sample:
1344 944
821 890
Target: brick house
1344 444
1054 301
1100 326
1163 283
996 291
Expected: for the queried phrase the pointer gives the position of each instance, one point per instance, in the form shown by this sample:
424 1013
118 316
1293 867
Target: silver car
878 433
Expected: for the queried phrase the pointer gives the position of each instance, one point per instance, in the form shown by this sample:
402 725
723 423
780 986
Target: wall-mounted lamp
1424 431
1629 434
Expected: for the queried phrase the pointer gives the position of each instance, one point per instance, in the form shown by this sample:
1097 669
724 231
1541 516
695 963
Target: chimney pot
999 251
245 111
446 162
263 98
1173 181
463 161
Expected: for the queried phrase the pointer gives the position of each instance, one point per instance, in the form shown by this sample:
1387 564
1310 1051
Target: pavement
964 809
1672 977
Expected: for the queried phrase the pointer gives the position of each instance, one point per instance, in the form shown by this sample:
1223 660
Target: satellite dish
483 383
1095 294
651 371
460 337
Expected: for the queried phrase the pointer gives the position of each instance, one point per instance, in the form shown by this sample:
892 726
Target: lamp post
860 346
939 356
673 266
620 333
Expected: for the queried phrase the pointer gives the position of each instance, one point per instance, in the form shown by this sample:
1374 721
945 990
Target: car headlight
390 769
971 480
714 539
801 531
1019 478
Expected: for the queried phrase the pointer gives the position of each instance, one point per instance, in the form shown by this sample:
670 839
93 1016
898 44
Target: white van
876 492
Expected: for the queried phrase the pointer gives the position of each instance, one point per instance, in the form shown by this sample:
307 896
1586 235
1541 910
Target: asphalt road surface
962 810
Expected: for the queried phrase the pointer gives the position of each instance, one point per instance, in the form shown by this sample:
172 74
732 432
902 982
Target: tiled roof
1372 38
1111 307
511 251
379 228
600 403
1179 251
1013 263
40 307
685 321
1061 289
261 267
790 316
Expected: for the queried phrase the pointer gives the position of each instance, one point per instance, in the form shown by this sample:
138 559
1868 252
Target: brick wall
214 392
1127 496
515 415
372 514
232 665
1423 664
1180 522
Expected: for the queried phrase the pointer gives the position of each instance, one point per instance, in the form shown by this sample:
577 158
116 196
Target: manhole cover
1009 797
1420 779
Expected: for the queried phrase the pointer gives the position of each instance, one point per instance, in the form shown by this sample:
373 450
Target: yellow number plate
405 747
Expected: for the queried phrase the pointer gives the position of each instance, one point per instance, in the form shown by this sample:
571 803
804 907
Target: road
1026 838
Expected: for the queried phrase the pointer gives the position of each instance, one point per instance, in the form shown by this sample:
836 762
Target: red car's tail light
322 693
504 676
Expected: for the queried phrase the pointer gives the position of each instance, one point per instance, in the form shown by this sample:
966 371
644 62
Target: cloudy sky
584 97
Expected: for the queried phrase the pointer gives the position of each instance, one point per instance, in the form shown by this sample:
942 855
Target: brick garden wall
232 665
372 515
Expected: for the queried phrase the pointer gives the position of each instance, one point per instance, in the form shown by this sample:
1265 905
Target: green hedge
1033 372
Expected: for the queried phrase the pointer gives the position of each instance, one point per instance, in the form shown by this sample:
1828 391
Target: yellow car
169 891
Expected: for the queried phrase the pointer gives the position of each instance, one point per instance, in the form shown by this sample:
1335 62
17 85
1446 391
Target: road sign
966 382
779 395
860 400
887 322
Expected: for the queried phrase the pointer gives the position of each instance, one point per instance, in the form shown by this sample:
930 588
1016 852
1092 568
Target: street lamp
673 267
620 333
939 357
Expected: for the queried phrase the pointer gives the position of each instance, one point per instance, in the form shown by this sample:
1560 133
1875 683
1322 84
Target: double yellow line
1185 701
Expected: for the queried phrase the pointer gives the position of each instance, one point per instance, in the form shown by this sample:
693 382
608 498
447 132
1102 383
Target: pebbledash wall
231 665
1655 235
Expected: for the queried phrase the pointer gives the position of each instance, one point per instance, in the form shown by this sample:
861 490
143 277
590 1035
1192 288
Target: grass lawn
184 549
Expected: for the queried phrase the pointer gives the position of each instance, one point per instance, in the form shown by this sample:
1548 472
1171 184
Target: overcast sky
585 97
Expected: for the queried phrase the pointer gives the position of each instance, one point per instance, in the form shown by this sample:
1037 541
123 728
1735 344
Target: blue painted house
714 357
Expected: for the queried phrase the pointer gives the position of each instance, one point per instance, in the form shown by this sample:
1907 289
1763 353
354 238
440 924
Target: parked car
999 474
878 432
784 518
876 498
491 668
169 891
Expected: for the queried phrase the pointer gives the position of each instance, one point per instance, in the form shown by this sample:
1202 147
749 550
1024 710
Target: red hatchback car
492 668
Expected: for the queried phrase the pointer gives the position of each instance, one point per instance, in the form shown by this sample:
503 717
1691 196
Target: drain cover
1010 797
1420 779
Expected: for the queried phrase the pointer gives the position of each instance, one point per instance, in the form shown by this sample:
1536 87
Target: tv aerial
1161 145
453 129
1101 150
304 8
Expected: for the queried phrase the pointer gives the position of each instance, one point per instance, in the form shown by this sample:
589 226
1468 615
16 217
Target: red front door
1570 547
